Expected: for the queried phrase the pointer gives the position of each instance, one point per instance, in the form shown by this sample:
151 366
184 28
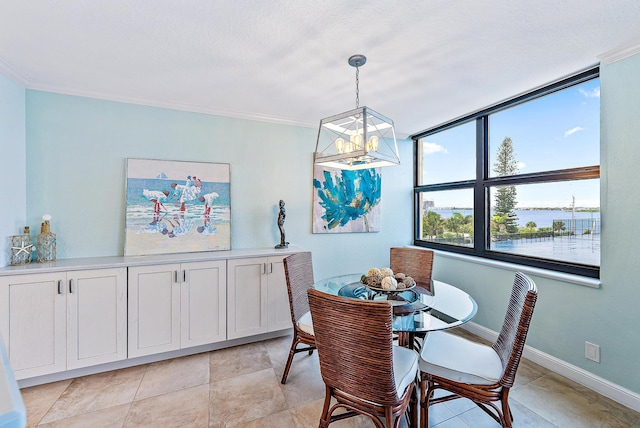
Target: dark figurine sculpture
281 216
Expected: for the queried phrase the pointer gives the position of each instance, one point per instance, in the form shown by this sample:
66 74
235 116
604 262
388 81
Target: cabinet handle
59 286
70 282
175 276
270 267
184 275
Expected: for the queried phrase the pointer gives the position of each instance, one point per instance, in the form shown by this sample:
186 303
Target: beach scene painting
346 201
177 207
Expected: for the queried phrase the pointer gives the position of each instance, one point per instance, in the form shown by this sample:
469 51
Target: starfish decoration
26 248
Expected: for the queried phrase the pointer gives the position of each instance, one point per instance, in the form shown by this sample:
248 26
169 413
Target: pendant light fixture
359 138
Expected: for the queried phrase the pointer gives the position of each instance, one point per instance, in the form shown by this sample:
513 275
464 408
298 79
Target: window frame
483 182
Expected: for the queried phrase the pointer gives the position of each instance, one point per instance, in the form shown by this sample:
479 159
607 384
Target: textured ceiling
286 60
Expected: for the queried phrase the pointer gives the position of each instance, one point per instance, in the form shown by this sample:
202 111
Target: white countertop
122 261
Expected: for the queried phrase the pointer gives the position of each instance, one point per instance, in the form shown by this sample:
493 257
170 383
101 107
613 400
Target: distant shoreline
578 210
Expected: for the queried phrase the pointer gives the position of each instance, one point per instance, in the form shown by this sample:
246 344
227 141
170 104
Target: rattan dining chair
414 262
298 269
481 373
418 264
361 368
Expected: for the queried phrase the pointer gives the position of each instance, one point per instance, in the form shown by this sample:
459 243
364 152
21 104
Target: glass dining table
415 311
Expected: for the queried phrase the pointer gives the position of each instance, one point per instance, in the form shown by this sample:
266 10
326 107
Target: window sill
558 276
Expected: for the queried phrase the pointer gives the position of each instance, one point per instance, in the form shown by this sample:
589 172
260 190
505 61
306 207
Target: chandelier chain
357 87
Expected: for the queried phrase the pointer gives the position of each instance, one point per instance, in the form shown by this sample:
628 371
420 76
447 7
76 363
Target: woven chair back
511 340
354 343
414 262
298 270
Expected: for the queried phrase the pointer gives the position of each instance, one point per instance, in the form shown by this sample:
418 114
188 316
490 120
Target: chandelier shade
356 139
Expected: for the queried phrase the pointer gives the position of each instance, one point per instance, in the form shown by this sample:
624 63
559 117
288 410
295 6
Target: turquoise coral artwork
176 207
346 201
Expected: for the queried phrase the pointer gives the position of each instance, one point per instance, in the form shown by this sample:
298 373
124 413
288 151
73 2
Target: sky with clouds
561 130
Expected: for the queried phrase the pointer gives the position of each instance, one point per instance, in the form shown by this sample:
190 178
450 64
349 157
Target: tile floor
240 387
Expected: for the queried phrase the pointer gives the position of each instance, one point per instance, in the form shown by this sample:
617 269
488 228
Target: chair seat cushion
305 324
456 358
405 367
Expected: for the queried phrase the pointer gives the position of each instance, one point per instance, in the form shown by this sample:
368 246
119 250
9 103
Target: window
517 182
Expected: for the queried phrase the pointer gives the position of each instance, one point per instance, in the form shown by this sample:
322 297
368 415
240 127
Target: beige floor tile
564 404
439 413
112 417
239 360
308 415
95 392
277 420
278 349
525 417
304 383
454 422
174 375
245 398
39 399
528 372
185 408
245 391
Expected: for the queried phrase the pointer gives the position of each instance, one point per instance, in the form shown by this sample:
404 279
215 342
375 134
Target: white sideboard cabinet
74 317
173 306
257 300
58 321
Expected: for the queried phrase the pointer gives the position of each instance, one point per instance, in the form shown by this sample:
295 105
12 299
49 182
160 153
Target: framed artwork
177 207
346 201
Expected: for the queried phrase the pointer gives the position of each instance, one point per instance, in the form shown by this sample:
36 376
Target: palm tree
455 222
558 226
432 224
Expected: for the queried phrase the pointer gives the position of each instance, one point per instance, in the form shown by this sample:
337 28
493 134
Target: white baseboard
602 386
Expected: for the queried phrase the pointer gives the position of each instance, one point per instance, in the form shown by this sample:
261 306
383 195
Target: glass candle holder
21 248
46 244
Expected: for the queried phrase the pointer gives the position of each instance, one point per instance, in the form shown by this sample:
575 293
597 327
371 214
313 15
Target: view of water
578 248
542 218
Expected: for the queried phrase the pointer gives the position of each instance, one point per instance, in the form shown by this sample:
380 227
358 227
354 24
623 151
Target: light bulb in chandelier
348 147
357 141
339 145
372 146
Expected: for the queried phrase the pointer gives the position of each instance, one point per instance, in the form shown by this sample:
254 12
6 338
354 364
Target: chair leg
414 405
325 417
507 416
425 396
292 351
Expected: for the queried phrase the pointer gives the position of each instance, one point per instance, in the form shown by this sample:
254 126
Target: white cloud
573 131
594 93
431 148
521 165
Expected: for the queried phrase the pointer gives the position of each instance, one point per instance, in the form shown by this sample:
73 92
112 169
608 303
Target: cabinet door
96 317
247 297
35 324
203 301
279 312
154 309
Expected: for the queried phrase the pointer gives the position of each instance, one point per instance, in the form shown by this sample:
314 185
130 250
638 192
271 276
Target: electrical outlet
592 352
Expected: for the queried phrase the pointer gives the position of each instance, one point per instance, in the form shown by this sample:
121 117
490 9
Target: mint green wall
76 151
566 314
12 163
76 170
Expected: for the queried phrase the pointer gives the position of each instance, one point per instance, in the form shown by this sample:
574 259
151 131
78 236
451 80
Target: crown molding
173 106
12 73
619 53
